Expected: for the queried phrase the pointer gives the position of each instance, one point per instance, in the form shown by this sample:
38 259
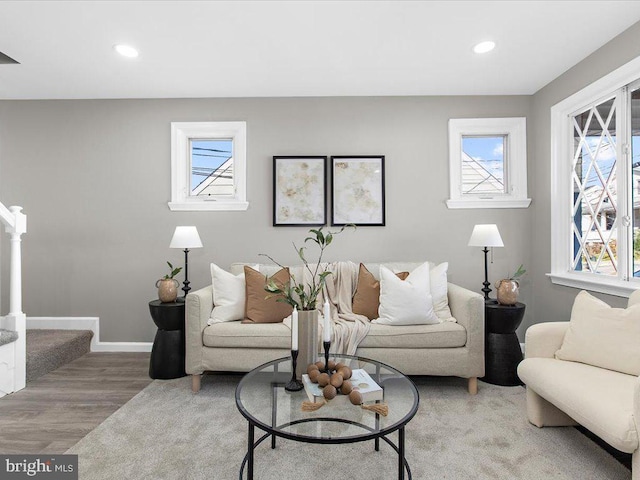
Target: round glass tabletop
263 401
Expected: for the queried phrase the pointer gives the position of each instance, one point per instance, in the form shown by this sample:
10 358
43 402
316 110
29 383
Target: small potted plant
508 288
168 286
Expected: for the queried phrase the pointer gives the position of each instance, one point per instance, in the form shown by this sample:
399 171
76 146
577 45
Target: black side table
502 352
167 354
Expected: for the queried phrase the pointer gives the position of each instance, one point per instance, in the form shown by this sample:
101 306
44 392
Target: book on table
360 380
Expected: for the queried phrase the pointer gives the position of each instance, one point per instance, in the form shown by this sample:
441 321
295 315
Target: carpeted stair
50 349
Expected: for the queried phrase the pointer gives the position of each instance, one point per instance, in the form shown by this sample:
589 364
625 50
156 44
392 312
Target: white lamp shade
486 235
186 237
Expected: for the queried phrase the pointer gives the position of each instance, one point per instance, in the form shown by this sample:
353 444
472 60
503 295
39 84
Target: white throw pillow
438 277
603 336
406 302
229 296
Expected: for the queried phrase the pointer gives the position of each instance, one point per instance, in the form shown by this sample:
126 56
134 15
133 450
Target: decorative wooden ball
332 365
336 380
329 392
311 368
320 365
346 387
345 372
313 376
323 379
355 397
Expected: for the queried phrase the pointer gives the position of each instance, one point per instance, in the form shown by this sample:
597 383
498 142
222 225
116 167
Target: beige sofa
563 393
445 349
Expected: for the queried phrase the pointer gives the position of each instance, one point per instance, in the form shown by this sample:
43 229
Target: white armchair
564 393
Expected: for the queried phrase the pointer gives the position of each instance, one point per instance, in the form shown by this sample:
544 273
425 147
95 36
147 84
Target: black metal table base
248 460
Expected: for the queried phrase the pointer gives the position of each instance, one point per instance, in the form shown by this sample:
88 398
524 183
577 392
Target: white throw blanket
348 329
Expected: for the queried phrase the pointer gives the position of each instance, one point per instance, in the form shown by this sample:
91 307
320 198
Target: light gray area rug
166 432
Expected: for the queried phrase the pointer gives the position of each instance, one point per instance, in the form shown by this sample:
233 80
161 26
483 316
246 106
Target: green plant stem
306 293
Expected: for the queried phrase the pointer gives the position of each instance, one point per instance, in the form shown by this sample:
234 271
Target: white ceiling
297 48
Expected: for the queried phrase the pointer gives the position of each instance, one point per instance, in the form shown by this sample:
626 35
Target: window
488 163
211 167
208 166
483 165
595 165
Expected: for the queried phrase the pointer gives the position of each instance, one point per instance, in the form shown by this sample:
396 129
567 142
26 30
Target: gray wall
553 302
94 179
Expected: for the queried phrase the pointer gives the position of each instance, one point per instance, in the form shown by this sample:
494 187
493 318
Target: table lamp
486 235
186 237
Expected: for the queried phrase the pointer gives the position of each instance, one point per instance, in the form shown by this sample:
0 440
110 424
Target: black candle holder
294 384
326 356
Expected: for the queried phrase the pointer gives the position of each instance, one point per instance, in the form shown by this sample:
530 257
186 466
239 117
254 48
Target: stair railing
15 223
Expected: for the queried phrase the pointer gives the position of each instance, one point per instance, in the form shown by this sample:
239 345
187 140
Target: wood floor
55 411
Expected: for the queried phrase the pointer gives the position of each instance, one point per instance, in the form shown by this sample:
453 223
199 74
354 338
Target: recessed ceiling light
484 47
126 50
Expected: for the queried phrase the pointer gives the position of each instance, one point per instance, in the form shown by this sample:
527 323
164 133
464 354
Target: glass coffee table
264 402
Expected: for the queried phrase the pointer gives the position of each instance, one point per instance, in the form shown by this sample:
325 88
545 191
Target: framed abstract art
357 190
299 191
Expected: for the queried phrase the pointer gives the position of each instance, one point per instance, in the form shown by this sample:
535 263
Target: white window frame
514 129
181 135
562 188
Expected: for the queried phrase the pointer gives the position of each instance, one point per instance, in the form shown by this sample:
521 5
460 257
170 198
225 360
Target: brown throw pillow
367 297
260 309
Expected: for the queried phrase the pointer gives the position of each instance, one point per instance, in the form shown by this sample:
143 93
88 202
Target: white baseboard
123 347
87 323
